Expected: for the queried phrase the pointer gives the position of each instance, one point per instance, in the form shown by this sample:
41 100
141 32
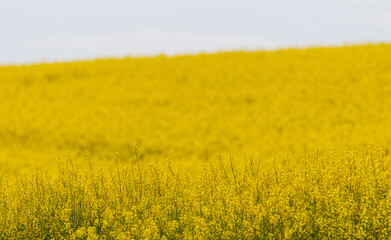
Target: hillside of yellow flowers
288 144
192 108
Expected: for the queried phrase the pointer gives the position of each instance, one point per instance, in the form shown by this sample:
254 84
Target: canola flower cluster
338 196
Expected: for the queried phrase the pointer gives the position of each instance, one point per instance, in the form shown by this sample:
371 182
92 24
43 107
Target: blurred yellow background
192 108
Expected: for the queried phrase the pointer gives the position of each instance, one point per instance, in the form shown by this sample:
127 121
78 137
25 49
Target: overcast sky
56 30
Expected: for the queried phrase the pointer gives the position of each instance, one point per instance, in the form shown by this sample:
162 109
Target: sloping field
304 136
192 108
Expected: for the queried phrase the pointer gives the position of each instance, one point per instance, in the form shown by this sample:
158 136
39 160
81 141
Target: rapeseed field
286 144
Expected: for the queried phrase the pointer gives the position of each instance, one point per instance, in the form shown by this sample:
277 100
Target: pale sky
63 30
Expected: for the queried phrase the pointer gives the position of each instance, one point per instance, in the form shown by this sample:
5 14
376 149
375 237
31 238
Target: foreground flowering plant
338 196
